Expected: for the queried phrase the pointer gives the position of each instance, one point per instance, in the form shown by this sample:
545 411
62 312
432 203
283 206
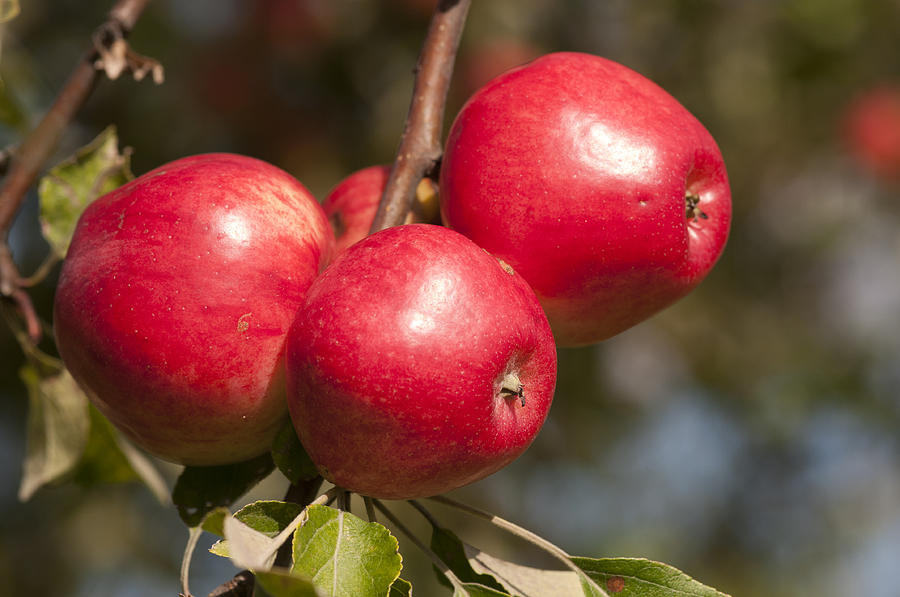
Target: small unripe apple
352 203
872 130
594 184
418 363
175 299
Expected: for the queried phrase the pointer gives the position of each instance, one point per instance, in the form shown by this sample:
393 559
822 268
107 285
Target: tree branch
240 586
39 145
420 146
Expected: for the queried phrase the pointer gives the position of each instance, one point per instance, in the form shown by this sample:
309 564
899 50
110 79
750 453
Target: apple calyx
511 386
692 205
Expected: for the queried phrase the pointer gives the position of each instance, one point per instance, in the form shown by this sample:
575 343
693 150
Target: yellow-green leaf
68 188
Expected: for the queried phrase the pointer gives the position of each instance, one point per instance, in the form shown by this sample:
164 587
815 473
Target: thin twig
38 146
445 570
522 533
420 146
42 271
424 512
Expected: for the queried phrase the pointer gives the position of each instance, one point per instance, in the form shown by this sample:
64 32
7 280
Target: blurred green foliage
747 435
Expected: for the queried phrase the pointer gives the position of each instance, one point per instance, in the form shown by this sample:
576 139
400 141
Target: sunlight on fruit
747 434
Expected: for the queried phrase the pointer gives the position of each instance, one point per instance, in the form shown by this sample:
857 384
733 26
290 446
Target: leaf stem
41 273
344 501
302 492
424 512
522 533
420 146
370 509
193 537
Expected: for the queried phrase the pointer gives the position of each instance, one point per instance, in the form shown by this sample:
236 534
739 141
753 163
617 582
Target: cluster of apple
205 298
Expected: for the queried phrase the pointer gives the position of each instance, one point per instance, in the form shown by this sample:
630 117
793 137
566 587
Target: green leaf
249 548
637 577
400 588
200 489
268 517
107 458
68 188
344 555
57 428
290 457
451 551
214 521
278 584
220 548
103 461
525 581
252 549
67 436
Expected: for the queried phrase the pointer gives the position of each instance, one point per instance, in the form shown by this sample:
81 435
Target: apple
594 184
175 299
418 363
872 130
352 203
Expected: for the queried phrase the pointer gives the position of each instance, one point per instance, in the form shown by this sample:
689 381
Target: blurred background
749 435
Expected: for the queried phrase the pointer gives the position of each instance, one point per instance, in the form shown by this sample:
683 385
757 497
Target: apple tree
211 313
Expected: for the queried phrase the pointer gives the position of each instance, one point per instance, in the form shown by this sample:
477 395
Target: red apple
175 299
872 130
351 205
596 185
419 363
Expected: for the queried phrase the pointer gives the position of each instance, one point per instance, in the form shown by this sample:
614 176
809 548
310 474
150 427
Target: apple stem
511 386
370 509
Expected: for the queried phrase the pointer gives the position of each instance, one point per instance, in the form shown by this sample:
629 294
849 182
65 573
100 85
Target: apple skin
352 203
175 299
872 130
574 170
395 364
